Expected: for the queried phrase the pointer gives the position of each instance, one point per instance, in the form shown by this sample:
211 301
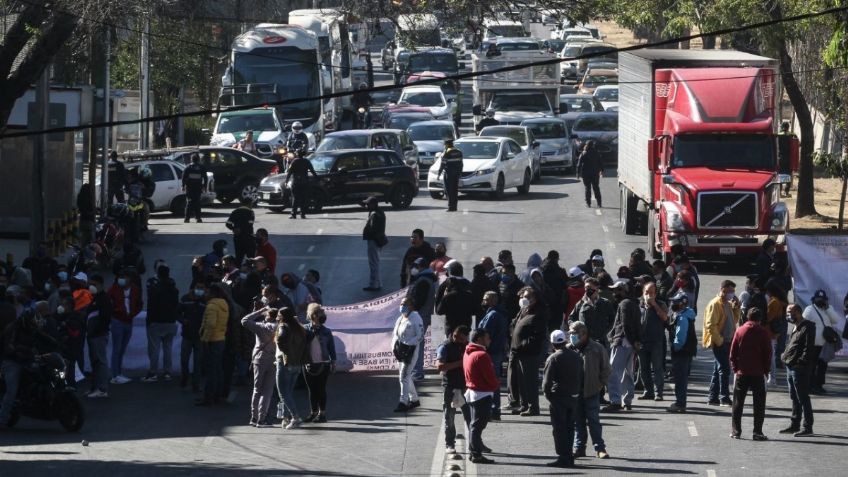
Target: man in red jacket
264 248
750 360
481 384
126 298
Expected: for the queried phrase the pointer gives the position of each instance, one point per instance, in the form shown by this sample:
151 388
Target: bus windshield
293 70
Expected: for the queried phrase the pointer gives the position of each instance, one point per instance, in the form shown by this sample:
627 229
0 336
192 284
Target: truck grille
727 210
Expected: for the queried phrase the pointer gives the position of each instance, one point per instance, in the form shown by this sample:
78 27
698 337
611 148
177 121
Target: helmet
145 172
297 126
363 85
490 112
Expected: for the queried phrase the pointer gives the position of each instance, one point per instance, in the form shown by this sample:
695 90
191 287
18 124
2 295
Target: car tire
437 194
524 188
277 210
498 193
178 206
248 192
402 196
225 199
315 202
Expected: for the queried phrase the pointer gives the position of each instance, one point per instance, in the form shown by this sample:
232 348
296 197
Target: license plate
727 251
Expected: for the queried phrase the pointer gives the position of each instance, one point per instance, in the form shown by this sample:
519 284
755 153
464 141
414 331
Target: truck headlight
779 217
673 219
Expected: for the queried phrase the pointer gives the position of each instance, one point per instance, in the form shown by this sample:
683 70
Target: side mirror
653 144
477 110
794 153
342 170
534 144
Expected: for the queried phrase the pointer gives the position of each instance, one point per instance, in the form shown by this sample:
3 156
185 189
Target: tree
835 56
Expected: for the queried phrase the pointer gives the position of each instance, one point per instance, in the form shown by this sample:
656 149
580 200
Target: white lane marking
597 211
464 245
605 229
301 267
465 230
310 249
711 473
320 231
693 431
464 211
611 245
619 262
208 440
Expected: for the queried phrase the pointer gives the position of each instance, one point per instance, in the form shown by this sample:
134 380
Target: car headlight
614 141
673 219
483 172
779 217
563 150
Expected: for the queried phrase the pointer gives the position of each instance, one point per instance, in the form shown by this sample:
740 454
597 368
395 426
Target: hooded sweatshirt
479 370
534 262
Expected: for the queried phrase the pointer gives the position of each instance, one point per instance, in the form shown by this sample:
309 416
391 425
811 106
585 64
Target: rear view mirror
652 153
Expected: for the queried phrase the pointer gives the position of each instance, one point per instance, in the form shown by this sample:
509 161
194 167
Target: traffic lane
154 426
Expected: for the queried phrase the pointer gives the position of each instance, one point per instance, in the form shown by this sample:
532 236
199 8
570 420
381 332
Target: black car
348 177
601 127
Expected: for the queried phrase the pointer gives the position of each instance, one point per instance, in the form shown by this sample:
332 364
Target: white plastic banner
820 262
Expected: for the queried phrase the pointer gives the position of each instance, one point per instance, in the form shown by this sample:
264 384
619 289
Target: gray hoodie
535 261
265 348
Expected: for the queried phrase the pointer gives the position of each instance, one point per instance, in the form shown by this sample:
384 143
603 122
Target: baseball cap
619 284
419 262
645 279
558 337
820 295
598 258
679 297
81 276
575 272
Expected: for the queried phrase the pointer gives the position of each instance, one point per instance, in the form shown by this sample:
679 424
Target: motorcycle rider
117 178
488 120
298 141
141 187
452 168
362 99
194 182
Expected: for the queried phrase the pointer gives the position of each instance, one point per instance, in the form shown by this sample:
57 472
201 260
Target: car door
350 177
535 152
409 151
230 166
517 162
167 185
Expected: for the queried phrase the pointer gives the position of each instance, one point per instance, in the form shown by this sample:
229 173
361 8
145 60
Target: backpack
691 346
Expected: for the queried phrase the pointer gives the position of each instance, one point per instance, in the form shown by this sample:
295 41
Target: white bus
288 57
330 27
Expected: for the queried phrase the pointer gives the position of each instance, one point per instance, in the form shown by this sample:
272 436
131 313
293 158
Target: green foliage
835 165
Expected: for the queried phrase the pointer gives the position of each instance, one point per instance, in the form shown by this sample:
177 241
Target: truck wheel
628 214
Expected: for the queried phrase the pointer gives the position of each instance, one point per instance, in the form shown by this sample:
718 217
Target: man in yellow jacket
213 333
720 320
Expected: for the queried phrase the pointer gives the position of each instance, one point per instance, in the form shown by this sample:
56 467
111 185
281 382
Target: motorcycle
362 119
44 394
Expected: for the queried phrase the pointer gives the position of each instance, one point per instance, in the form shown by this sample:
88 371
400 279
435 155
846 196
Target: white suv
428 96
168 177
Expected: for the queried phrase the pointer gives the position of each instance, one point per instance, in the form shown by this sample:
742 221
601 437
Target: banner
820 262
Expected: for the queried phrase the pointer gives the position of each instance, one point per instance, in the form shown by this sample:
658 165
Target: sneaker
310 417
401 407
264 425
120 379
530 413
294 423
479 459
150 378
790 430
803 433
450 449
167 377
759 437
97 394
414 404
252 423
518 410
285 422
646 397
726 402
628 407
735 435
675 408
714 402
658 398
611 408
321 418
577 453
603 455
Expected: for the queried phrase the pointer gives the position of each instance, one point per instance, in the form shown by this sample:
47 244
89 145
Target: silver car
553 137
430 138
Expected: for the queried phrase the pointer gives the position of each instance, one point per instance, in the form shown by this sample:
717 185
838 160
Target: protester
441 258
721 317
419 248
496 324
298 293
449 356
651 358
596 372
190 315
481 383
480 284
775 322
263 323
219 250
684 347
98 321
322 362
561 386
374 233
555 279
163 300
406 344
241 222
534 261
750 360
265 249
125 295
508 287
72 335
595 312
292 353
528 341
422 291
213 332
825 317
800 358
625 339
454 299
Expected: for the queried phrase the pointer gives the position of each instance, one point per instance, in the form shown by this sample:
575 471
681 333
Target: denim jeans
651 368
621 384
12 377
588 414
481 411
799 391
99 366
497 360
213 359
407 385
286 379
121 334
160 336
374 265
418 372
449 414
720 382
190 351
680 366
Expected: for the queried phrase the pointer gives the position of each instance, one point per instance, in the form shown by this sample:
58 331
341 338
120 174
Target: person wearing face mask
575 289
213 333
80 291
800 358
750 360
71 336
721 317
422 290
219 250
41 264
322 352
438 263
98 323
495 322
298 293
563 376
508 289
596 372
407 336
528 341
481 384
664 281
163 300
449 362
625 340
684 347
263 323
454 299
595 312
58 284
823 316
190 315
651 356
127 302
597 265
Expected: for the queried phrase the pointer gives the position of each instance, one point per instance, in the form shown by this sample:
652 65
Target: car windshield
521 102
551 130
422 98
403 122
245 122
444 62
518 46
724 151
591 80
556 45
430 132
506 30
596 123
607 94
321 163
577 105
571 51
478 149
513 133
333 143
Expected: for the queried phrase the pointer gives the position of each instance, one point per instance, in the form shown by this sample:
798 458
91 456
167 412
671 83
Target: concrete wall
16 181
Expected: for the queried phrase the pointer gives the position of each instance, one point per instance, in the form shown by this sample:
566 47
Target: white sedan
428 96
523 135
608 96
489 164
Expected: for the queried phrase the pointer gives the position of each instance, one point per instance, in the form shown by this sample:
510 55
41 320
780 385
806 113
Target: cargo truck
697 156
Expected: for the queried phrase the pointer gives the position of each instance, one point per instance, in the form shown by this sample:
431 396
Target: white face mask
92 289
60 309
224 251
730 296
523 302
265 300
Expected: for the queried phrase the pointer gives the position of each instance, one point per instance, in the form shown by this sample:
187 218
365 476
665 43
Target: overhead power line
461 76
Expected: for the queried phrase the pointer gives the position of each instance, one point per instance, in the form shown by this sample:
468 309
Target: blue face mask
199 292
63 276
122 282
575 340
404 310
506 279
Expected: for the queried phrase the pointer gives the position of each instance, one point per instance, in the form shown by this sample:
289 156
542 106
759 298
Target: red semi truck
698 153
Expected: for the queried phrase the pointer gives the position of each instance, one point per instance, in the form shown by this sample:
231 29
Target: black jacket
556 278
195 179
486 122
375 227
479 286
454 301
163 301
589 164
191 316
800 351
299 170
563 375
528 336
627 324
598 317
425 251
297 142
241 221
508 296
99 315
117 175
451 162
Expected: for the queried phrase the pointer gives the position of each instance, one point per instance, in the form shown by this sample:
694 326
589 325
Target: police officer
194 182
452 168
489 120
241 223
117 178
297 178
298 141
